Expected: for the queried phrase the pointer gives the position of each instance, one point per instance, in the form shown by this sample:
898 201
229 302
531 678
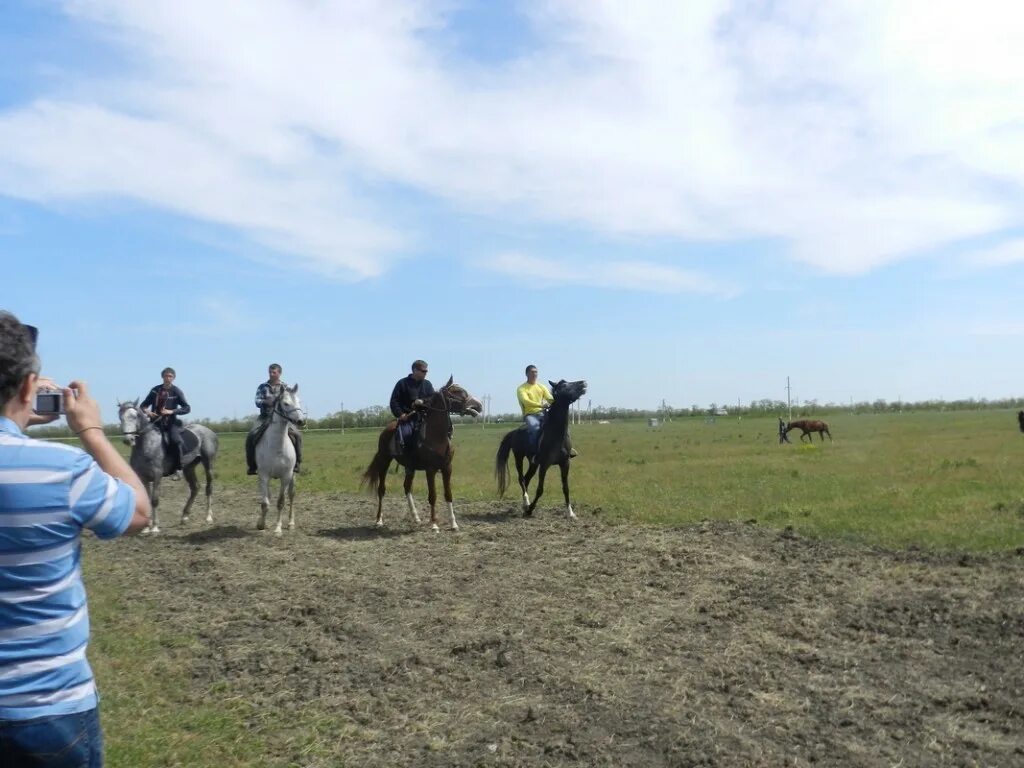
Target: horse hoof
209 518
455 528
380 523
434 528
154 530
184 519
278 532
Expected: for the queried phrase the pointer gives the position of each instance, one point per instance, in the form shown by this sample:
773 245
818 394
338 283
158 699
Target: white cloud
858 133
629 275
1004 254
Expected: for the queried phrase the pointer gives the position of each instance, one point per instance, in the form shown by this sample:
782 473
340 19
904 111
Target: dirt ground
546 643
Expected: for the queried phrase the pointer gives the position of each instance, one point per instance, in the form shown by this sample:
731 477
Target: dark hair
272 366
17 356
531 365
169 370
419 364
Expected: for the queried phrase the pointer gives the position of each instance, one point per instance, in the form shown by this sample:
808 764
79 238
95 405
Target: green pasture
931 480
935 480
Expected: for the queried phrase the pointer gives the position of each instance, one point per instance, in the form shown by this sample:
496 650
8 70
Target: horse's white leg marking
572 515
526 501
412 508
451 513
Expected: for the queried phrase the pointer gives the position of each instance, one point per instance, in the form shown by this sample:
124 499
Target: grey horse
152 462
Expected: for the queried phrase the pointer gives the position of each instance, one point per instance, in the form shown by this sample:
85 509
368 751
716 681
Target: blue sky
683 202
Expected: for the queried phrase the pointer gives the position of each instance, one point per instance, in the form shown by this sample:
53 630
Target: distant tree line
376 416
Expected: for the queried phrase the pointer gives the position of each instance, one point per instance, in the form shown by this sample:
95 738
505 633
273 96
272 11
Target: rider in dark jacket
165 403
409 392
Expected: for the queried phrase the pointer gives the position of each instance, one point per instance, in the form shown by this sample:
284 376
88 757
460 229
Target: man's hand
166 412
417 403
82 411
404 417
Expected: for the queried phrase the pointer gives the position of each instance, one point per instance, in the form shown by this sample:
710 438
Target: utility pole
342 415
789 400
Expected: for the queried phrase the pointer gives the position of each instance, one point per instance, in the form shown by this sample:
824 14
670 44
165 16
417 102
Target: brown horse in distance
433 452
809 427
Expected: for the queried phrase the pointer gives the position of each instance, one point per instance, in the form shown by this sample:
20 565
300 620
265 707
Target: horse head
568 391
289 405
459 399
133 421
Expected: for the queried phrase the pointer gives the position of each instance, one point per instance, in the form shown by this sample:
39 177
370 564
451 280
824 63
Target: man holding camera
266 395
50 493
165 403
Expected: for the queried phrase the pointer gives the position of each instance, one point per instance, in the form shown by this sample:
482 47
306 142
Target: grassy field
926 480
936 480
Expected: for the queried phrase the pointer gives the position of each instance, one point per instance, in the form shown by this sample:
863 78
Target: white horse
275 456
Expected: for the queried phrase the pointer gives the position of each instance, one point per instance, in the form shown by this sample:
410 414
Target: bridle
150 423
279 409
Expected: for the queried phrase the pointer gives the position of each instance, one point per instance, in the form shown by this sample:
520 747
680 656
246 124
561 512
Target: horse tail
501 461
378 466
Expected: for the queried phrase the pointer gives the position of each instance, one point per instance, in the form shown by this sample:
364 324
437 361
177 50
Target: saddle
395 446
262 430
190 441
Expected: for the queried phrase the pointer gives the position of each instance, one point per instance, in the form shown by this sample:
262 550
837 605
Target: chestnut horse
809 427
433 452
553 447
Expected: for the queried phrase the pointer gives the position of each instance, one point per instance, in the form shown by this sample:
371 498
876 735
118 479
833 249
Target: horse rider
164 404
266 395
410 393
783 437
534 399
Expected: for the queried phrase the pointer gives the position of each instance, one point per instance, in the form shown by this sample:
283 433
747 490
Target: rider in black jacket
410 392
165 403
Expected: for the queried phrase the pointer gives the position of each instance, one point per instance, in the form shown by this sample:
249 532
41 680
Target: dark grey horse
553 448
152 461
1020 420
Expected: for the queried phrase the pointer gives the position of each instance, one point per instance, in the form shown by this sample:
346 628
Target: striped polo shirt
48 493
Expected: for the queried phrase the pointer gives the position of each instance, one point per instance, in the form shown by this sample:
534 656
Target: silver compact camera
48 403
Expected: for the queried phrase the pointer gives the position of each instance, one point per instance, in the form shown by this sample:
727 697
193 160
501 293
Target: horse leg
261 523
432 498
291 509
446 479
524 479
540 487
565 488
382 476
208 466
154 501
193 490
407 485
285 482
